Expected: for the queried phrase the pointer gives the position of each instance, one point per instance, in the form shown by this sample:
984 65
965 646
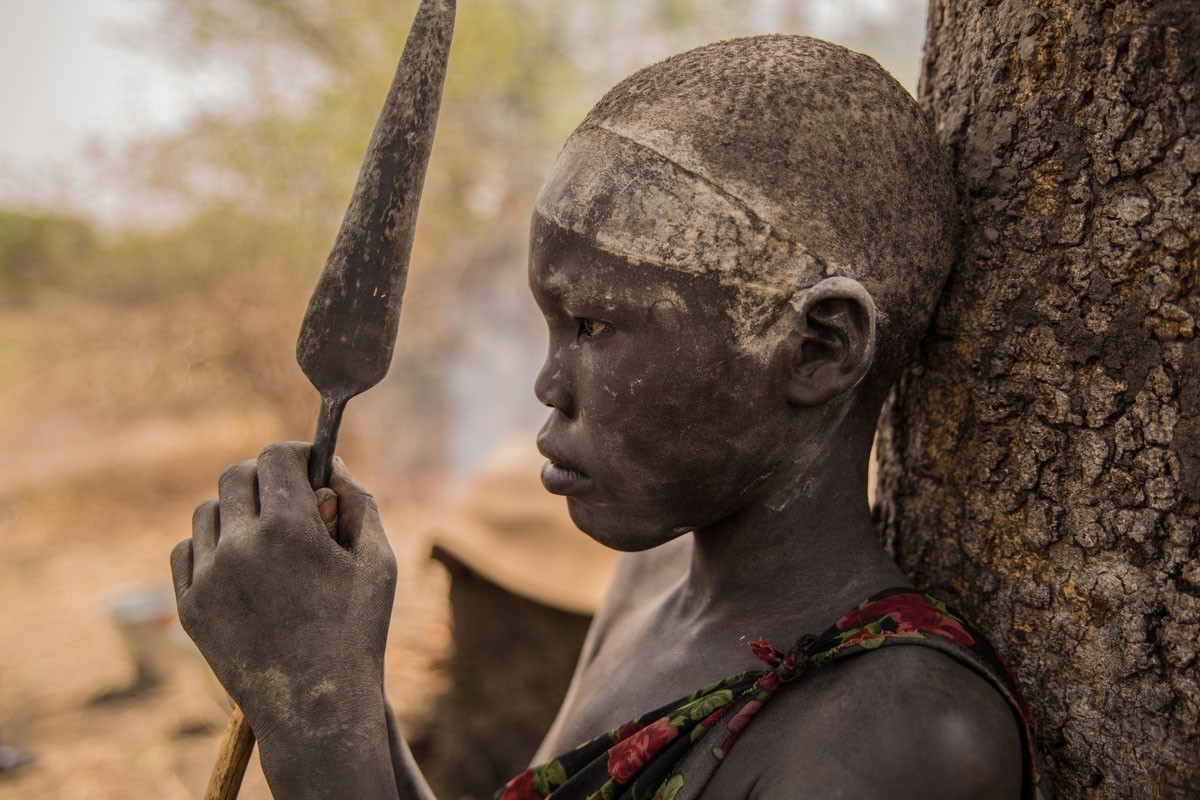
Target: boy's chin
615 530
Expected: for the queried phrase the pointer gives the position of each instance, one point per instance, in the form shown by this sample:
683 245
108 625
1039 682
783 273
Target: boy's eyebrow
557 289
564 291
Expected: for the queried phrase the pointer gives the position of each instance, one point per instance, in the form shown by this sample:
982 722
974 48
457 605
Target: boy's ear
832 346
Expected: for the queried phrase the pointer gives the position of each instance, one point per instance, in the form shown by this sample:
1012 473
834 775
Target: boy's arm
410 783
294 625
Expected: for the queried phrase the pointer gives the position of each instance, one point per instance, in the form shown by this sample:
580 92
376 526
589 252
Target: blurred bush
39 249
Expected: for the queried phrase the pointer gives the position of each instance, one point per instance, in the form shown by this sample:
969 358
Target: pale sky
71 79
64 76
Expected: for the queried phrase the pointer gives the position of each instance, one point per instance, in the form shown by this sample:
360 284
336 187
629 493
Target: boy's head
770 162
736 234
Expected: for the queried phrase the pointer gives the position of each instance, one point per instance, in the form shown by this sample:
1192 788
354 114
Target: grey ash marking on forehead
771 162
556 284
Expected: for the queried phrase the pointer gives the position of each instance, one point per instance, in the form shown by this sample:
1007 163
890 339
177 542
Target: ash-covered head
771 162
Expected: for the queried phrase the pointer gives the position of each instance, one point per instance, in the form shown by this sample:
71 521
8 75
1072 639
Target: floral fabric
671 752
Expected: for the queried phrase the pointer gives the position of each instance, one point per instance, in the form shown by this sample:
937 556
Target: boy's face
660 424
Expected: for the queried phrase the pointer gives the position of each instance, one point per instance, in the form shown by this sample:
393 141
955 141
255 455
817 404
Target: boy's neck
803 556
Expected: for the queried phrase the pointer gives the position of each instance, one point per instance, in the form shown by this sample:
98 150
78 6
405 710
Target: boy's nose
551 391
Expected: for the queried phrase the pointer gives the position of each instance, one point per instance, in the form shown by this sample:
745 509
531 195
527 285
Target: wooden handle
236 746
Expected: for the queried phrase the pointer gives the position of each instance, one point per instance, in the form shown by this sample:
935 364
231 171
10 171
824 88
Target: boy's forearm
410 782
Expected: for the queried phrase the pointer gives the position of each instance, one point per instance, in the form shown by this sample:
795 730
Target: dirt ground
88 511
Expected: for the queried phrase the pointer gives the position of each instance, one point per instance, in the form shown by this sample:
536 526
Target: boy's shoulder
893 723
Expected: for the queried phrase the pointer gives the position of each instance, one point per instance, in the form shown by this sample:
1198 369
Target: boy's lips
563 480
559 477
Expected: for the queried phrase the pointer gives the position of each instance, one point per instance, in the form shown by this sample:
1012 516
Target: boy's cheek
617 374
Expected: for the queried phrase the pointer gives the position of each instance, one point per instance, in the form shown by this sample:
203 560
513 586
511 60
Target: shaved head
770 162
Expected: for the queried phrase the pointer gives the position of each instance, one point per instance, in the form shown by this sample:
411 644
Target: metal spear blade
349 331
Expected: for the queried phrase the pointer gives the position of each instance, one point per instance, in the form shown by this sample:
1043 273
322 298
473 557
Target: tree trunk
1040 466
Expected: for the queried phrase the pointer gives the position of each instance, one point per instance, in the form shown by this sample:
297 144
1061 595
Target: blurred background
172 173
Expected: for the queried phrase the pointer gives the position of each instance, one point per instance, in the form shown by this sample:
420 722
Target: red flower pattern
764 652
861 636
628 757
628 729
738 724
520 788
742 718
912 613
769 682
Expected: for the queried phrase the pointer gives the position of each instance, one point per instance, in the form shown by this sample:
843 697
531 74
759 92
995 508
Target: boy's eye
591 327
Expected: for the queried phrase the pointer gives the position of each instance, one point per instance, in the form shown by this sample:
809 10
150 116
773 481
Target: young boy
735 253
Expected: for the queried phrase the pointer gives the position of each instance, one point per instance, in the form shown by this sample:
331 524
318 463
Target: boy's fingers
206 530
238 492
181 567
283 477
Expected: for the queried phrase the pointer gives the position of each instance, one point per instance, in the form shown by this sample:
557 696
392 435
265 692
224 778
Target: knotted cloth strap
672 752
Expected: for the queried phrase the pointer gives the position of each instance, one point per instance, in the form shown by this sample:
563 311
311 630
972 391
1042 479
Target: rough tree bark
1041 465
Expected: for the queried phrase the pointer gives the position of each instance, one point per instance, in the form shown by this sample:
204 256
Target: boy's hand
292 621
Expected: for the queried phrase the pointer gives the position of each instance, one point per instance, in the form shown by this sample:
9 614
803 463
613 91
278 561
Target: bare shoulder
895 723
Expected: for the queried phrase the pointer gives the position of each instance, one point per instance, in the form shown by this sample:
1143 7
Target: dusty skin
707 416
